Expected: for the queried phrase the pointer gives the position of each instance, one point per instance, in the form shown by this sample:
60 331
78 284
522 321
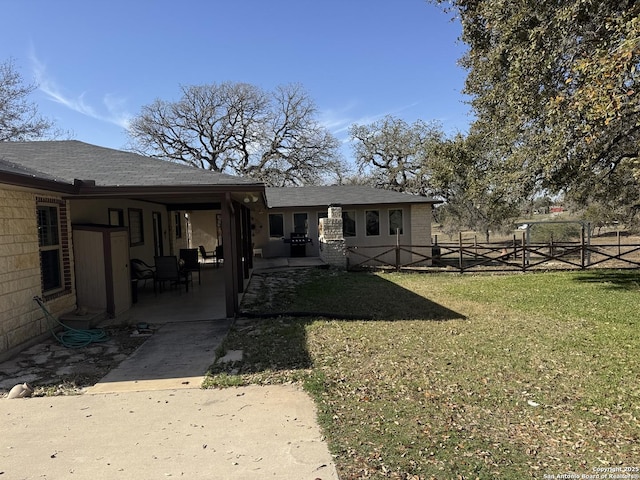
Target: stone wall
332 244
21 319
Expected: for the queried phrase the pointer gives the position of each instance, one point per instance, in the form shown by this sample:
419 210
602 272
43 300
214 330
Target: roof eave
318 205
32 181
89 191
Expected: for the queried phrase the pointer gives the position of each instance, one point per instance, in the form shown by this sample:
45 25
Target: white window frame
366 223
136 227
57 247
355 223
393 233
281 215
306 222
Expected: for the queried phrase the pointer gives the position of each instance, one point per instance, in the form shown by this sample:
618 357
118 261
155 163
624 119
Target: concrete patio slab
232 434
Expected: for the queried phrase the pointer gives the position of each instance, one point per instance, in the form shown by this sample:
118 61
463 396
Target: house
373 220
66 203
73 215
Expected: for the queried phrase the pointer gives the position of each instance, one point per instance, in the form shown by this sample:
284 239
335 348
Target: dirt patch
52 369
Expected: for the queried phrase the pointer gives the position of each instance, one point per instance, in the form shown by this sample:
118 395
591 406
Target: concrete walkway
177 355
149 419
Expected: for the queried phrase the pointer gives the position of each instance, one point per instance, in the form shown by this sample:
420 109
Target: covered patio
205 299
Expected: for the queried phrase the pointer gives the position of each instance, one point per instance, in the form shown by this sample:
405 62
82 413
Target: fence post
582 248
475 247
460 260
435 251
618 235
524 256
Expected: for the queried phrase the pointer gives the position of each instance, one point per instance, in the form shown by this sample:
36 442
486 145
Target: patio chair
141 271
219 255
190 263
206 255
167 271
215 255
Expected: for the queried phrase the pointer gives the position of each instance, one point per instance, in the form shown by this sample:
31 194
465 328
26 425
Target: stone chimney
332 245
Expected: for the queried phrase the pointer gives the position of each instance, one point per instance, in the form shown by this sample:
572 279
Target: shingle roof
64 161
287 197
68 160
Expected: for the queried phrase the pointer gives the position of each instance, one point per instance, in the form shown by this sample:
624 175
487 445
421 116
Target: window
50 247
116 217
300 223
373 222
324 214
395 221
349 224
178 221
276 225
136 227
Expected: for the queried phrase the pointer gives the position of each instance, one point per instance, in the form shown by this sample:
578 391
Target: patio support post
247 243
230 253
239 250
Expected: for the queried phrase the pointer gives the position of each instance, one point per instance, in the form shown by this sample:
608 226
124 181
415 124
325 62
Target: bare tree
394 154
19 118
238 128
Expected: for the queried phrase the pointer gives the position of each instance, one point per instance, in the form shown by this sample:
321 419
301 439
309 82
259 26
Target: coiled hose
72 337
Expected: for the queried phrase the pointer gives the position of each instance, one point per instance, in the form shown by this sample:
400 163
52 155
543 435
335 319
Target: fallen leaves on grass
508 389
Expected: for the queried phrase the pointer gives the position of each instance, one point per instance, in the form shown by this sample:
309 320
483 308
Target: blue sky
98 62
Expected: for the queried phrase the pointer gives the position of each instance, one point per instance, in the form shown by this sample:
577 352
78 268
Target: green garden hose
72 337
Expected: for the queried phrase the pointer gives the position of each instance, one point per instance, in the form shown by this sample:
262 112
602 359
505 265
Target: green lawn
450 376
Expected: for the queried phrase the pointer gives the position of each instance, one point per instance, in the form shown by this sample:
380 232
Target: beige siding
20 317
90 273
416 231
97 212
421 232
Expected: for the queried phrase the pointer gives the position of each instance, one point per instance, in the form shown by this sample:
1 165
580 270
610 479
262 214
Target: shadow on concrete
177 355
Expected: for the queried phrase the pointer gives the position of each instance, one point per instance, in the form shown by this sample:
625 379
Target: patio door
158 247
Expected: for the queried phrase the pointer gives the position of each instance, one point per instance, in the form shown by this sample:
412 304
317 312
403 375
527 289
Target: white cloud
338 121
114 107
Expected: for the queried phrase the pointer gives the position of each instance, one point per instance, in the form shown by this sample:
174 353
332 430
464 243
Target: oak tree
462 173
238 128
394 154
554 87
19 118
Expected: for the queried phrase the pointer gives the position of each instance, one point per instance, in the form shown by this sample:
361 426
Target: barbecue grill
298 243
